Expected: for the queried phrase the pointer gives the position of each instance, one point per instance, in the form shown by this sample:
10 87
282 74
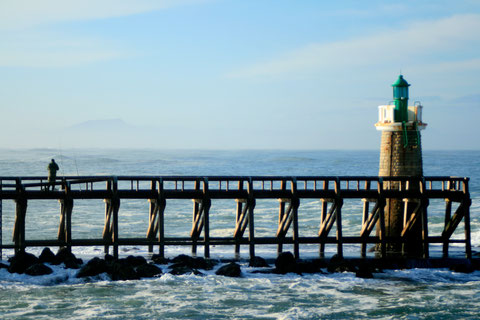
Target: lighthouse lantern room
397 115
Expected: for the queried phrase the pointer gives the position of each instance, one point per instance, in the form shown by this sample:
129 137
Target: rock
364 271
193 263
109 258
308 267
65 255
47 256
475 264
157 259
230 270
258 262
72 264
182 259
148 271
338 264
463 268
38 269
3 266
120 270
135 261
93 267
21 261
205 264
179 270
285 263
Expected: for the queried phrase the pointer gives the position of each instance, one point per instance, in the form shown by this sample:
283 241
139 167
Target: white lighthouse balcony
386 119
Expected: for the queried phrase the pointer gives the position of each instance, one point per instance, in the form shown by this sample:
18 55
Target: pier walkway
244 192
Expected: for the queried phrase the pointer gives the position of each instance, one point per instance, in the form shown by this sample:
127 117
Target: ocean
392 294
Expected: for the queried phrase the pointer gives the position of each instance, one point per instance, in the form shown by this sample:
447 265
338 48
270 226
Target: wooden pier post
251 224
112 205
462 212
1 221
245 208
156 219
200 219
20 214
323 217
240 221
65 226
287 217
281 231
19 226
207 203
339 201
448 216
152 215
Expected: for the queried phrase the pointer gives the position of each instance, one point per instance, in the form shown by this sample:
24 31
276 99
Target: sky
225 74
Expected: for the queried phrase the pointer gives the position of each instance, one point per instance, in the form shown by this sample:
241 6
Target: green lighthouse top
400 96
400 91
400 82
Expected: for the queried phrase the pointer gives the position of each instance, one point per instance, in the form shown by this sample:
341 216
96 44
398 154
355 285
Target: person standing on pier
52 174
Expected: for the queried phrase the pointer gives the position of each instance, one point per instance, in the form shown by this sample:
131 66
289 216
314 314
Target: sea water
393 294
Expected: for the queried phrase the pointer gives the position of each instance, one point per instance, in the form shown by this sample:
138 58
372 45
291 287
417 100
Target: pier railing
245 191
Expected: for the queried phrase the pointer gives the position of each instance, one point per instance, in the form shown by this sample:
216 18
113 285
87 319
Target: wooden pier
244 193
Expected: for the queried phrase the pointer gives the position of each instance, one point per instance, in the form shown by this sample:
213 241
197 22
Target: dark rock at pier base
121 270
338 264
466 267
158 259
130 268
93 267
179 270
312 266
65 256
148 271
230 270
135 261
47 256
38 269
193 263
285 263
258 262
364 271
72 264
184 264
21 261
109 258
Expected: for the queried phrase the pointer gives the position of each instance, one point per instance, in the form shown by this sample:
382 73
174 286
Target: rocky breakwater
137 267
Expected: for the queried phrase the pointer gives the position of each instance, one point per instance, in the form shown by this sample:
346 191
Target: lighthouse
400 156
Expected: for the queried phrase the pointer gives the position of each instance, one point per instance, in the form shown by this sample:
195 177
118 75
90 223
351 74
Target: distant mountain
101 125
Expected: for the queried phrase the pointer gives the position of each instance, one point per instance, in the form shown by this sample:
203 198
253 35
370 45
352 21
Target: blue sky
221 74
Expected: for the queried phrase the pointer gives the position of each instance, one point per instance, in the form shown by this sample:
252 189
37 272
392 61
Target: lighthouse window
400 92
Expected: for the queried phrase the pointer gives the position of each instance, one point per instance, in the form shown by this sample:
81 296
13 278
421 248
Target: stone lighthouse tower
400 155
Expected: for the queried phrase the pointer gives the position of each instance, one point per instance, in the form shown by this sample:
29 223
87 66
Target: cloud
43 49
421 41
25 45
21 14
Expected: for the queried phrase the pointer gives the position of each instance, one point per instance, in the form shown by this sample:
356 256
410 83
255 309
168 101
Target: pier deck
244 192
